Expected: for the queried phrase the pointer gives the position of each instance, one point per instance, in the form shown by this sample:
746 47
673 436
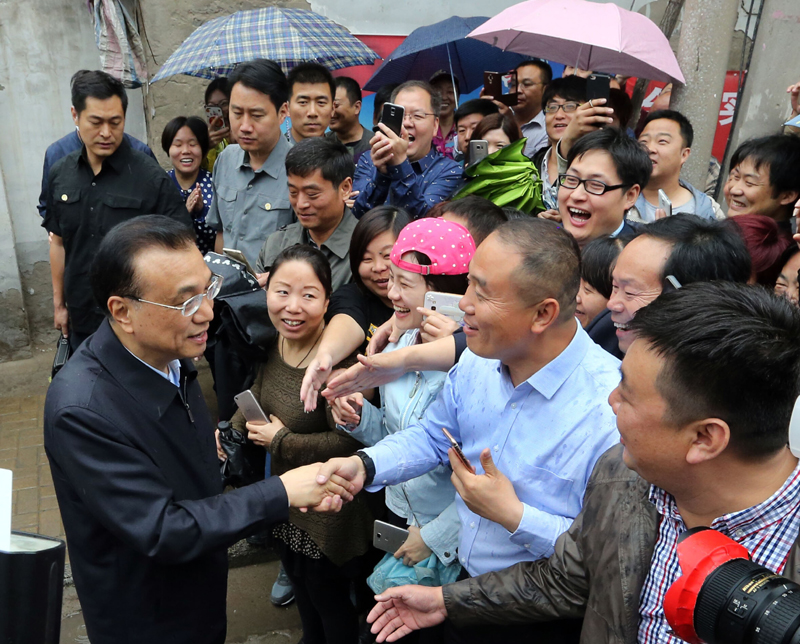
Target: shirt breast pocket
68 211
280 210
119 208
546 491
226 205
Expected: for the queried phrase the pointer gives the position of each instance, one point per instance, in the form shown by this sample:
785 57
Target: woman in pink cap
429 255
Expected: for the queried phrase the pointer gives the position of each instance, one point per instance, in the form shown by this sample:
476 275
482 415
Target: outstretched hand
305 490
350 469
404 609
316 374
370 372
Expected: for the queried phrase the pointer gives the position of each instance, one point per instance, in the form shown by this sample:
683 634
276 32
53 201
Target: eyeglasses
419 116
192 305
552 108
223 104
592 186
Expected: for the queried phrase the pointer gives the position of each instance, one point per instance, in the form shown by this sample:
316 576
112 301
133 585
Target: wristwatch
369 466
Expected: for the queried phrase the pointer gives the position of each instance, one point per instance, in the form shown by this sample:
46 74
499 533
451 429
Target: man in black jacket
132 452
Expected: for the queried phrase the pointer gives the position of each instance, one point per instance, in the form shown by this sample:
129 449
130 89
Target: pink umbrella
590 35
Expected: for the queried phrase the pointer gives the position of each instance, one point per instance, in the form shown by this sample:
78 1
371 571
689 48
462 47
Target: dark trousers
563 631
76 339
322 593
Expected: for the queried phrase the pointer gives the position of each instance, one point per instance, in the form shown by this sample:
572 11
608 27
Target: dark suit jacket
136 474
604 333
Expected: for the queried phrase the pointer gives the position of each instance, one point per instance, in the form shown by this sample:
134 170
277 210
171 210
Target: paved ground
23 385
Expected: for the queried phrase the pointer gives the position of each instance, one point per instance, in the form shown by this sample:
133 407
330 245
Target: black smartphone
478 149
501 87
392 117
598 87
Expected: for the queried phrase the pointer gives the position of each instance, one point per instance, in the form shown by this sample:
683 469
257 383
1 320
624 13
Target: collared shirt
545 435
173 373
356 148
61 148
250 205
336 248
768 531
415 187
205 234
534 131
83 207
549 187
446 144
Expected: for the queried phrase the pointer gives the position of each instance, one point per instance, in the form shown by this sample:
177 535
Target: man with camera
703 411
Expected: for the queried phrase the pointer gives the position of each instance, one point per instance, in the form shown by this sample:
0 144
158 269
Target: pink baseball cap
449 246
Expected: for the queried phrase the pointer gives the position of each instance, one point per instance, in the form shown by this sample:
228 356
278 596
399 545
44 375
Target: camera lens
744 603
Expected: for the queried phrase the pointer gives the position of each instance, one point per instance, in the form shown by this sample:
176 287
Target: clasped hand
388 148
263 433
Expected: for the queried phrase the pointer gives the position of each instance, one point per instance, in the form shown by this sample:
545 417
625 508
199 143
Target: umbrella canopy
287 36
590 35
444 46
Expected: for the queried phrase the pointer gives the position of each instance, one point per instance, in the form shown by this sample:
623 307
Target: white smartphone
445 303
238 255
388 537
252 411
664 203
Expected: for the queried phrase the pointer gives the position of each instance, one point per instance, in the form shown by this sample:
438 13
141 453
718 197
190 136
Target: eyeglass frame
561 106
606 187
216 281
413 116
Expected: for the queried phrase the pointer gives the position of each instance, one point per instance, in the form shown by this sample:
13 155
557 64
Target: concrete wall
42 43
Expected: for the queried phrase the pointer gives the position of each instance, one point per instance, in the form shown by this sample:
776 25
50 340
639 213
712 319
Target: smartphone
252 411
598 87
238 255
501 87
464 460
444 303
478 150
664 203
214 112
388 537
392 117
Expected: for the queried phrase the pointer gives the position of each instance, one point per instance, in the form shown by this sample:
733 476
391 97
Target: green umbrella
506 178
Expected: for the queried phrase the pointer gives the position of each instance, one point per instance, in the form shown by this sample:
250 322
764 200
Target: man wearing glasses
533 76
605 173
406 170
131 449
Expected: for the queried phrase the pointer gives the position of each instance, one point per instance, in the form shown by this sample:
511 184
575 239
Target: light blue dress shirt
545 435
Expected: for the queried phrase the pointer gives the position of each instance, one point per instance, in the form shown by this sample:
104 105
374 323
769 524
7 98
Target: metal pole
703 52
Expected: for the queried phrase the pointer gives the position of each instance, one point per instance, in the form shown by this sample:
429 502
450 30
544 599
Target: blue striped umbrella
287 36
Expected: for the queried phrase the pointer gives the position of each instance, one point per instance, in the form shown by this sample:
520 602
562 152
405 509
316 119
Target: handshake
324 487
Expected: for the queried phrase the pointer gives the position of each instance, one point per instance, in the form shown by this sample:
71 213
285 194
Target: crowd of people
621 365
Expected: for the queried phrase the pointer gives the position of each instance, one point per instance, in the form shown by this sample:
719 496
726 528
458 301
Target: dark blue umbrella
444 46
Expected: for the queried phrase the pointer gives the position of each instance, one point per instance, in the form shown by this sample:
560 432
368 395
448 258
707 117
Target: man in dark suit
132 451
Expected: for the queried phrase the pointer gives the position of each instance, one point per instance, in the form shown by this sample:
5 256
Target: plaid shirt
768 531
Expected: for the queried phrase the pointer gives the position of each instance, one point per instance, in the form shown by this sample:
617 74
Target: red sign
381 45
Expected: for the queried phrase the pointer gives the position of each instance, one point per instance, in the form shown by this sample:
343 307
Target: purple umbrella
590 35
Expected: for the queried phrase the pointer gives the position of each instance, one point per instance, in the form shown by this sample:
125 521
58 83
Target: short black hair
622 105
113 268
732 352
569 88
381 97
598 258
514 213
88 83
220 83
264 76
436 97
781 153
496 122
351 88
687 131
318 153
482 216
550 262
194 123
702 250
632 163
313 74
376 222
547 71
311 256
482 106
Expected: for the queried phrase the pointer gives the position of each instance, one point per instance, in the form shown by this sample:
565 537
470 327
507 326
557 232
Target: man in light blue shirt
527 402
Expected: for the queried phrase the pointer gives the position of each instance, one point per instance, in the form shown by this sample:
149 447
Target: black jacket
138 484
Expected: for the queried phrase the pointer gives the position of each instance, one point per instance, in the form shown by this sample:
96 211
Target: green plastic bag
506 178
